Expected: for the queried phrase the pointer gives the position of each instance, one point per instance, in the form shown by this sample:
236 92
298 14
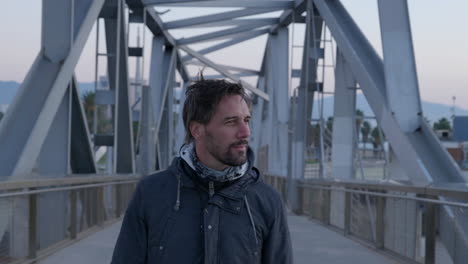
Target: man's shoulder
265 191
157 180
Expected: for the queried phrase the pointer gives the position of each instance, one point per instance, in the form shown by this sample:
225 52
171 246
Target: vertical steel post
347 214
430 233
32 226
380 223
73 214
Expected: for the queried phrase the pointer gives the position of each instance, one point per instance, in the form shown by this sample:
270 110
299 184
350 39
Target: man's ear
196 129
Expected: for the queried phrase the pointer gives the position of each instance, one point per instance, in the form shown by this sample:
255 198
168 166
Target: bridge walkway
312 243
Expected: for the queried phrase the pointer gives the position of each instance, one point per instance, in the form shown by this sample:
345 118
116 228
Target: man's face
224 140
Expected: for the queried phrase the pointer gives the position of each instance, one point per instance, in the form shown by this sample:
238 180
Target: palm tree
88 105
365 131
376 140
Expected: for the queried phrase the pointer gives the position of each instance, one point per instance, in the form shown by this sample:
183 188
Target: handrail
452 190
74 179
69 188
428 200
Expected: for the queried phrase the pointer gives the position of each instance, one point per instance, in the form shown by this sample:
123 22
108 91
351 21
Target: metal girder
344 121
116 43
305 91
156 26
240 38
182 69
238 22
368 71
222 3
279 103
219 76
291 15
36 104
164 121
147 144
232 68
419 152
190 22
81 156
399 64
220 34
224 72
180 127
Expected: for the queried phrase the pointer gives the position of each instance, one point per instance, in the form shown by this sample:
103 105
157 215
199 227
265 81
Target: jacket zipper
211 188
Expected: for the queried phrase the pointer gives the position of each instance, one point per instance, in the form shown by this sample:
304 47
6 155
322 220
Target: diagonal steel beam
224 72
81 156
220 34
238 22
232 68
156 26
222 3
190 22
243 37
291 15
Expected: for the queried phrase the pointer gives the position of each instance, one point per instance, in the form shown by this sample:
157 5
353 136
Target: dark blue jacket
172 219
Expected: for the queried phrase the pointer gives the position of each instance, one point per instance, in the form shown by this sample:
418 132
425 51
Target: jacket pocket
159 248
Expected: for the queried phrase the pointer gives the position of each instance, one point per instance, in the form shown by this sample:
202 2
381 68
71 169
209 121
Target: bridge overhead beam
116 43
224 72
238 38
213 19
223 3
222 33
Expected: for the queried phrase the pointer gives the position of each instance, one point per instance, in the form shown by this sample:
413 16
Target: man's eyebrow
234 117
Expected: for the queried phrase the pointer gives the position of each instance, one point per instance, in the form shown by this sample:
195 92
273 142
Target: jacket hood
187 178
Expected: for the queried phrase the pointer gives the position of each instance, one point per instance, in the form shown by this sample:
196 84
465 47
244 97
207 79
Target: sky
438 31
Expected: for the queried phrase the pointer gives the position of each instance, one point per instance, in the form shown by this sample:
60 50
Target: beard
227 155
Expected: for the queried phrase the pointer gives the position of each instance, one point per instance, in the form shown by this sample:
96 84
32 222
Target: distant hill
8 90
432 111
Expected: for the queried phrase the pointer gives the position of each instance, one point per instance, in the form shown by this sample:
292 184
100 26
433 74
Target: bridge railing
38 217
401 220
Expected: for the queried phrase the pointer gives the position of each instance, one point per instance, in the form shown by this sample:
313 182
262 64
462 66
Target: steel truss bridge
54 189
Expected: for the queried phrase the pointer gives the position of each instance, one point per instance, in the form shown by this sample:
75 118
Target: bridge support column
305 98
116 42
163 63
344 136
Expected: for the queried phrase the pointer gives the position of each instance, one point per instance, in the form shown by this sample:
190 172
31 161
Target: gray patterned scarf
187 152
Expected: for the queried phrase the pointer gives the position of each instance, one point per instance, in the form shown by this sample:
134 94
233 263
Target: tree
365 131
443 123
376 139
1 116
88 105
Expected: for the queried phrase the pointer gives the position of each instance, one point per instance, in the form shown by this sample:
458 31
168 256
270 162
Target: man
211 205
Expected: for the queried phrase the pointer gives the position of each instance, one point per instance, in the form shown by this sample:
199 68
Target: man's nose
244 130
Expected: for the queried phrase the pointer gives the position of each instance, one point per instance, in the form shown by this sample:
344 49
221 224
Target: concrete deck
312 243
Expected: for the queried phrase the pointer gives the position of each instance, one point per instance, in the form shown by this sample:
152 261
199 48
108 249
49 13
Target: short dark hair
202 98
